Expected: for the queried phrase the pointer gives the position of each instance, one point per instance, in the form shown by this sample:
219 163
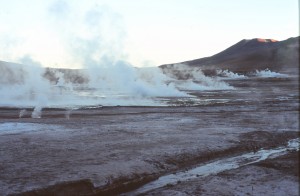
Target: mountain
250 55
243 57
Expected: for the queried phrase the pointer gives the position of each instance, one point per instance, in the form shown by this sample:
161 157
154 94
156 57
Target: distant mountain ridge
250 55
243 57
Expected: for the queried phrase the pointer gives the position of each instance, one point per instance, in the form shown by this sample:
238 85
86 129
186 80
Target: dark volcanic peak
266 40
250 54
254 43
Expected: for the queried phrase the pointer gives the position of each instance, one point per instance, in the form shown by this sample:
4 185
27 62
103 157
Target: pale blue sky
142 32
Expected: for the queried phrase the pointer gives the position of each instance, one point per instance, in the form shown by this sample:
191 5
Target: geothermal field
146 131
110 97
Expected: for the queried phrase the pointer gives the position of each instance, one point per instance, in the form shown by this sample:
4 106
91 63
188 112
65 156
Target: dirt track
113 145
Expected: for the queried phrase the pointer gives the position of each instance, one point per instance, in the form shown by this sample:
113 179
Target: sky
71 33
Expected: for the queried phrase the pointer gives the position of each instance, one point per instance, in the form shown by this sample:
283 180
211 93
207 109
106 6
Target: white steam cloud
192 78
91 38
226 74
269 74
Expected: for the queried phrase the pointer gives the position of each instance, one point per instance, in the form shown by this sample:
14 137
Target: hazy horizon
71 34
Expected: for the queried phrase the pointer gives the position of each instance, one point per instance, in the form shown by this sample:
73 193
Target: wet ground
277 176
112 150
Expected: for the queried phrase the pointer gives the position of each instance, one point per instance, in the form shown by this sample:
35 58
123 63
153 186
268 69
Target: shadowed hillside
250 55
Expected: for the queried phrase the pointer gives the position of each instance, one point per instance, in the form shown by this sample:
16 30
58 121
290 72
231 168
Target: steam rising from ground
230 75
192 78
92 38
269 74
120 84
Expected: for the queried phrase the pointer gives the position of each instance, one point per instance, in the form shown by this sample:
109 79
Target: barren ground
113 150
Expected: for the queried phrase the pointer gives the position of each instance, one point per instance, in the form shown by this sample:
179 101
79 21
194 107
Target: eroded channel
218 166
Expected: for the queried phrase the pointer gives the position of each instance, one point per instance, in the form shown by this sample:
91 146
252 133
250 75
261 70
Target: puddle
218 166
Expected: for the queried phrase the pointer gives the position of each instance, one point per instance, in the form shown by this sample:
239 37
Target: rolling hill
250 55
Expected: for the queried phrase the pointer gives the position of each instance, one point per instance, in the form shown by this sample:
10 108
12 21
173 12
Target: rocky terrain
114 150
118 150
